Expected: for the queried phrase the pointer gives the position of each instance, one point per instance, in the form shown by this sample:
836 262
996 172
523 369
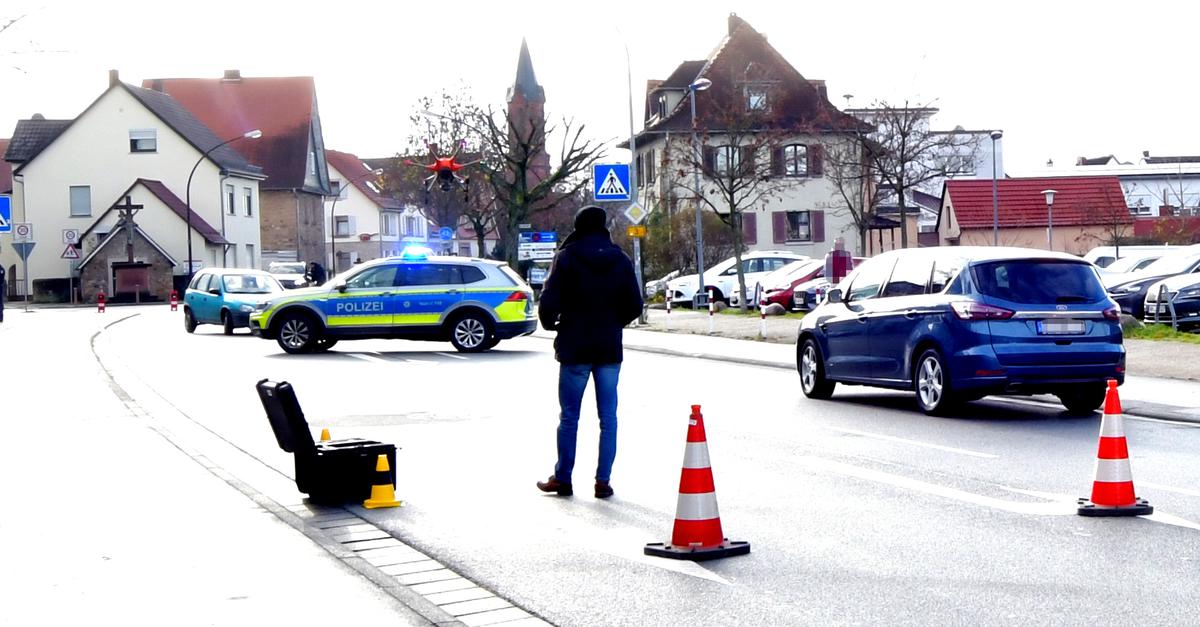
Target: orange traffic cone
324 435
1112 490
697 535
383 492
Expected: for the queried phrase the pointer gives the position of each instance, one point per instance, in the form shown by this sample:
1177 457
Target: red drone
444 171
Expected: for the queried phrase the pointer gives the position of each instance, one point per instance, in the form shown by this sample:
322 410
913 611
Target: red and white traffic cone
697 535
100 302
174 300
1112 489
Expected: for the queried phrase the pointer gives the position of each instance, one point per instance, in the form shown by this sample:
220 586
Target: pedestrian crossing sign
610 181
71 252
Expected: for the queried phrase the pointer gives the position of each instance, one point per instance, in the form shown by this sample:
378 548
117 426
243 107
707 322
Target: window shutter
779 226
353 230
777 162
816 160
710 159
747 160
750 228
816 224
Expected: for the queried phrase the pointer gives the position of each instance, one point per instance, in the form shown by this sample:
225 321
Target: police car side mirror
339 285
834 296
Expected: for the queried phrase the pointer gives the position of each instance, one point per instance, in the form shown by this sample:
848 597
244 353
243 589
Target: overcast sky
1062 79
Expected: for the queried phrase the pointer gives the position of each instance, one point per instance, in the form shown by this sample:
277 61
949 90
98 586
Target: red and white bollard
100 302
174 300
762 321
668 323
711 308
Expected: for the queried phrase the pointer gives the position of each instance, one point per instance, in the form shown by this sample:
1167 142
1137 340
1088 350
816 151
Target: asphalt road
859 510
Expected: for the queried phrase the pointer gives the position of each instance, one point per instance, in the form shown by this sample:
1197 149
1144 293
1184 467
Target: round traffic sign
22 230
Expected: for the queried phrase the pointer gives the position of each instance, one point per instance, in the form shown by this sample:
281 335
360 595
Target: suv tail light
971 310
516 296
1112 313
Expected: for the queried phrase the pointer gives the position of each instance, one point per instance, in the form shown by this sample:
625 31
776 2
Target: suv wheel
297 333
1083 400
812 371
471 333
931 383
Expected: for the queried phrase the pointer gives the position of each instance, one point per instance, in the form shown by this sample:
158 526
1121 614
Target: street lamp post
995 197
333 223
255 134
1049 194
699 85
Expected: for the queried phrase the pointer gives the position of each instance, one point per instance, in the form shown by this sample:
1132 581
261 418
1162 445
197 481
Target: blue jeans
572 381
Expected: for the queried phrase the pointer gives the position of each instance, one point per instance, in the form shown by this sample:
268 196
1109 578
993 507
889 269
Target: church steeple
526 84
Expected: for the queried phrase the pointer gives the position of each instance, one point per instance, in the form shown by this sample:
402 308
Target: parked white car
722 278
1103 256
657 286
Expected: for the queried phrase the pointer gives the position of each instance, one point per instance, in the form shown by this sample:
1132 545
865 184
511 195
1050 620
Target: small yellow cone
383 493
324 435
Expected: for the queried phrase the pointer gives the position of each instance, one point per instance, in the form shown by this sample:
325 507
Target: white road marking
627 544
451 355
366 357
939 447
1167 488
421 361
1168 519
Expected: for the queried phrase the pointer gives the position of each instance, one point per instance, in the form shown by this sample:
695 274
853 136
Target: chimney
156 84
232 76
113 78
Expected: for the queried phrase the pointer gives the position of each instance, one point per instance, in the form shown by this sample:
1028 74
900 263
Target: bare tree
1113 220
904 154
510 153
848 169
743 167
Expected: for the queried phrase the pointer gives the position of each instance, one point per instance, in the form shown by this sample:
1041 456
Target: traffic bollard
668 323
762 322
711 307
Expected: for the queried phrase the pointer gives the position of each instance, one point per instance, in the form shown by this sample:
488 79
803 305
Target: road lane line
627 544
421 361
370 358
451 355
1168 519
1167 488
949 449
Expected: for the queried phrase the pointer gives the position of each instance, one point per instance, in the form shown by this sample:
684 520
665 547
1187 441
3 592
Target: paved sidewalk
104 520
1147 390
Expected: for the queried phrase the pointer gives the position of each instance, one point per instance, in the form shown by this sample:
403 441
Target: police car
472 303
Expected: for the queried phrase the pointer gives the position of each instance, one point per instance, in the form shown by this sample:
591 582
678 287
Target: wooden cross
126 212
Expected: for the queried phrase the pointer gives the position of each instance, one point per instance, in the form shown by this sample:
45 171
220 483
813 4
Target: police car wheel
297 333
471 333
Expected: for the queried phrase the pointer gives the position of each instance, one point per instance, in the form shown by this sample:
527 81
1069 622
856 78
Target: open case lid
286 417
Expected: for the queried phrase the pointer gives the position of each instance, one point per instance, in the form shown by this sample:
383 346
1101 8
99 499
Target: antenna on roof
848 98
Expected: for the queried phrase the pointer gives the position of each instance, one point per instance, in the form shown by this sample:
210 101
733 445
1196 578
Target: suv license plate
1060 327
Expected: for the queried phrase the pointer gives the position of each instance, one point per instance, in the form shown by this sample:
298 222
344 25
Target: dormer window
661 106
143 140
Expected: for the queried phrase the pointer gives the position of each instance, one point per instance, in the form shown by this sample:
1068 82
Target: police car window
471 274
417 274
383 276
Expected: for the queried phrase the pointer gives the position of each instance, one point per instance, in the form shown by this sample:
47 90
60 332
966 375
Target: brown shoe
554 485
603 490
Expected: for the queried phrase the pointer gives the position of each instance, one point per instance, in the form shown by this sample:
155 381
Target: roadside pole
633 191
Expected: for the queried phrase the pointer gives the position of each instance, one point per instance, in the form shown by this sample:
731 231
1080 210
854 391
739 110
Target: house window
795 160
312 163
250 255
81 200
143 140
341 226
375 188
411 227
662 106
649 167
798 227
756 98
230 200
391 224
248 194
728 159
336 188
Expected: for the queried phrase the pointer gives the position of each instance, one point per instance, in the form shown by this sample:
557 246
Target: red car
777 286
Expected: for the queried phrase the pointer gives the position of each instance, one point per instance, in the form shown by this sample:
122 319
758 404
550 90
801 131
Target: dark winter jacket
589 296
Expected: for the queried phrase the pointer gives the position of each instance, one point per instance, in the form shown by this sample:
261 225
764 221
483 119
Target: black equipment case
336 471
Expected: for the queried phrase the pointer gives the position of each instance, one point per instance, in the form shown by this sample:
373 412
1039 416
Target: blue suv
955 324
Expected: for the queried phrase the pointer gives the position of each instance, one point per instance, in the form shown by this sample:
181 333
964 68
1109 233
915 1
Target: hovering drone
444 171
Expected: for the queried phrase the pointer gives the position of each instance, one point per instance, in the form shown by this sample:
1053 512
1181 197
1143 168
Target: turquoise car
226 296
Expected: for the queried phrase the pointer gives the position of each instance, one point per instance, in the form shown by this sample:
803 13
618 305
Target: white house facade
361 222
126 135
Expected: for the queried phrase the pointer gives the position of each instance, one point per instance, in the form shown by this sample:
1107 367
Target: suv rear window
1038 282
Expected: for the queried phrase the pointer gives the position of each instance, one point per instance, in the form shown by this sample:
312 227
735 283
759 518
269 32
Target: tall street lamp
255 134
333 222
699 85
1049 194
995 197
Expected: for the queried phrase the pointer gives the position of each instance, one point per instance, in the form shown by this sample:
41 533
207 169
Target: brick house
291 151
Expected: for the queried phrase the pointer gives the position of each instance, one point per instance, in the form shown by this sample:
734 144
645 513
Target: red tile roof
283 108
358 173
1080 200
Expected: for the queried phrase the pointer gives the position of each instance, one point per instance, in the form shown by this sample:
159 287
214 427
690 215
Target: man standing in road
590 295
